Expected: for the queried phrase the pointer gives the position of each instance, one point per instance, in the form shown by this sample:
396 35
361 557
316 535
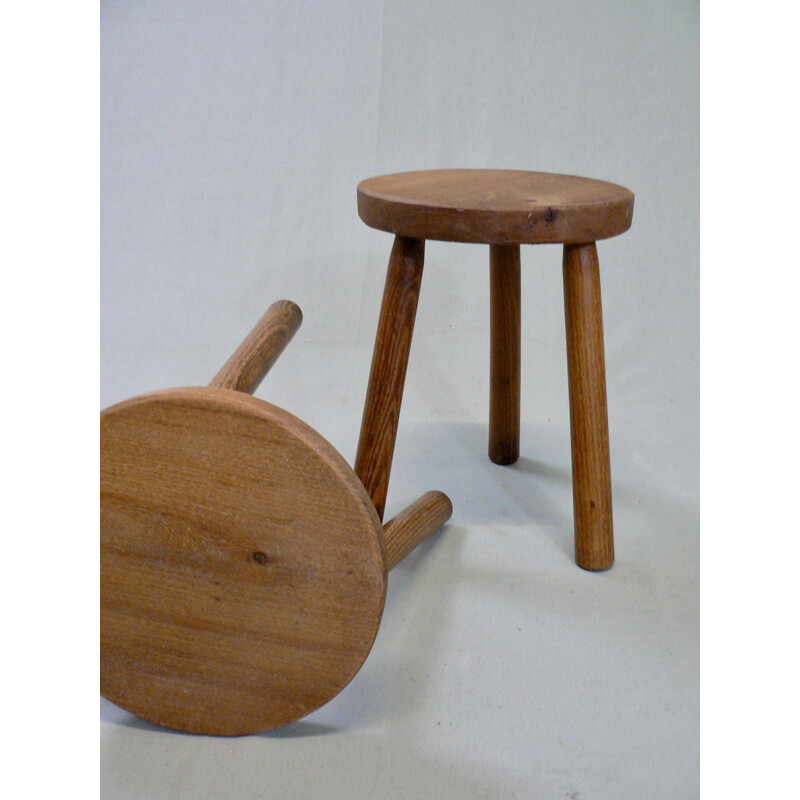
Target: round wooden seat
236 546
493 206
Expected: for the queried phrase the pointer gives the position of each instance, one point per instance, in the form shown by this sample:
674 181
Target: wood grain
246 368
495 206
505 353
236 544
388 373
415 524
591 467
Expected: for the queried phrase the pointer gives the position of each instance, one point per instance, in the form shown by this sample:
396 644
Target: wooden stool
242 564
503 209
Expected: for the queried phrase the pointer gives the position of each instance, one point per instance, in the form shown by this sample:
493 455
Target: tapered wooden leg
256 355
414 524
388 374
504 354
591 468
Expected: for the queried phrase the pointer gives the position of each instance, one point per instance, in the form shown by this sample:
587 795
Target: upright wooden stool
501 208
242 563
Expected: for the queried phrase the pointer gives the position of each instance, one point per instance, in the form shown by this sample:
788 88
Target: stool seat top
493 206
242 563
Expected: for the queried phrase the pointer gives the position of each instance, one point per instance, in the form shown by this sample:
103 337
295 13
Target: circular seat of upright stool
492 206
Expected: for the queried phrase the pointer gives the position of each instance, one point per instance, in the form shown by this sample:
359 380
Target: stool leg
257 354
388 373
591 467
504 366
414 524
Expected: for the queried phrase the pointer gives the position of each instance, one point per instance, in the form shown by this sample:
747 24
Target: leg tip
595 561
596 566
503 455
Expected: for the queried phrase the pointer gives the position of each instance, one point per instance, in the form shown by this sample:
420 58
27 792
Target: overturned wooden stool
243 564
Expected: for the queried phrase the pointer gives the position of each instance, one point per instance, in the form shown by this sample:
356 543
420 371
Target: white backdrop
233 137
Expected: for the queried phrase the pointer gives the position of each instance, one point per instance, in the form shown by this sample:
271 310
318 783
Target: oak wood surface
388 372
236 544
591 467
256 355
414 524
495 206
505 353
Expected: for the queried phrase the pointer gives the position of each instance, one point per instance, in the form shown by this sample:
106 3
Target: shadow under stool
504 209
